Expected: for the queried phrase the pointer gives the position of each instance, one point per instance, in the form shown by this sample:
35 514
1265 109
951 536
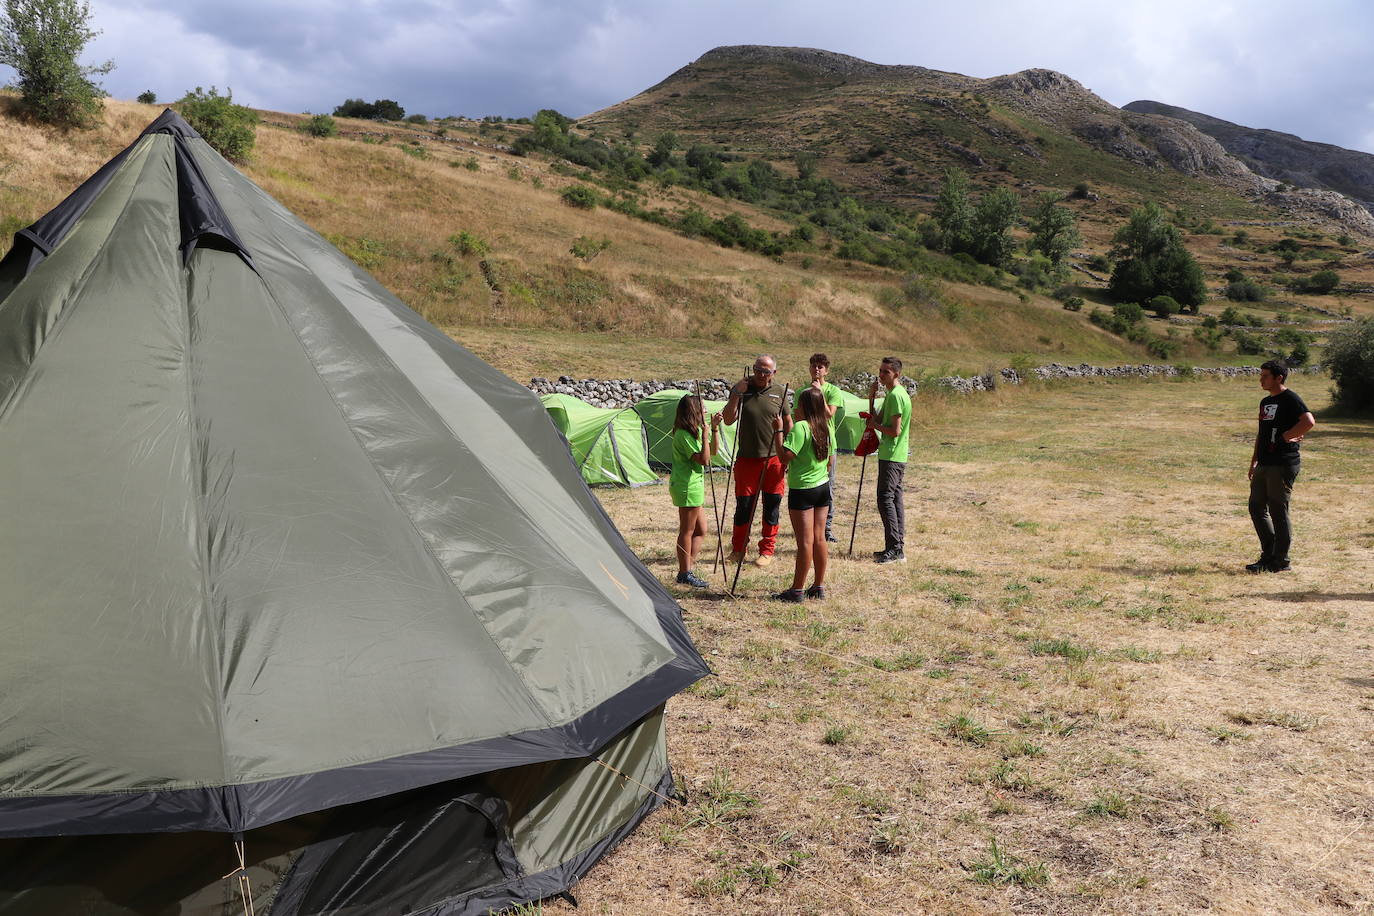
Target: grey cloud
1250 62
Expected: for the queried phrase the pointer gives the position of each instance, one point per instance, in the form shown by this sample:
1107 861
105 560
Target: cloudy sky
1298 67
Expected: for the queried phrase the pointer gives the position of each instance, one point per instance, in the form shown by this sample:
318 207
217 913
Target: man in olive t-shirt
893 425
755 401
1283 420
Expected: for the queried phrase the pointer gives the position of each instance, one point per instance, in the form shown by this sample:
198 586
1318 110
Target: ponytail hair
690 415
813 411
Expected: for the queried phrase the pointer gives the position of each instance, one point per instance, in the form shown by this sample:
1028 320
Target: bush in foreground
1350 360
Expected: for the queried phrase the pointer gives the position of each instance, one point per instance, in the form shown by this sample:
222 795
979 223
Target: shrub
1350 360
586 248
1081 191
229 128
321 125
147 97
471 164
1296 343
1321 282
417 119
1164 306
1246 290
1129 312
1074 303
467 243
1248 344
580 196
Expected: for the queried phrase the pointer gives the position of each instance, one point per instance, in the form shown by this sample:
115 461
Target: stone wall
624 392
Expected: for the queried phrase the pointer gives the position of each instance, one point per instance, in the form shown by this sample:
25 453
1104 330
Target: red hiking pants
746 487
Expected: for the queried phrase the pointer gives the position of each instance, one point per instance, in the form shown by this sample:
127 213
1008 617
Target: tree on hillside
1151 261
1054 230
42 40
954 212
993 219
662 153
380 110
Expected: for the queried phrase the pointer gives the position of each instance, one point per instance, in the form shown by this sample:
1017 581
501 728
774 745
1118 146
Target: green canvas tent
658 410
849 426
293 589
608 445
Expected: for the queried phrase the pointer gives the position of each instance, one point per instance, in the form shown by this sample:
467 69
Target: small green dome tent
658 411
609 445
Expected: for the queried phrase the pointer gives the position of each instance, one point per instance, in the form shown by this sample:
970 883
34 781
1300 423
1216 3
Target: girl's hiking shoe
692 579
816 592
791 595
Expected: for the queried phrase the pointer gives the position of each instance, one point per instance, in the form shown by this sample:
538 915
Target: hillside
1283 157
480 240
893 130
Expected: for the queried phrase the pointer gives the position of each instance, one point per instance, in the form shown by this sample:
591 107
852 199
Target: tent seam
63 318
538 710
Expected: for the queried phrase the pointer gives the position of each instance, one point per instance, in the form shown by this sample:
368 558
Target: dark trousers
890 507
1270 490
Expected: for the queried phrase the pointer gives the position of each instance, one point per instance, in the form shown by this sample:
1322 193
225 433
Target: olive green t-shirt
758 407
897 402
806 470
685 481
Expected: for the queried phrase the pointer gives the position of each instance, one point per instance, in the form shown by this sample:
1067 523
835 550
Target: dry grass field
1070 699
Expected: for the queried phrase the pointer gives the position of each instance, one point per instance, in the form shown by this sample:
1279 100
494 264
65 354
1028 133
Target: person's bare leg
820 551
801 526
698 536
686 526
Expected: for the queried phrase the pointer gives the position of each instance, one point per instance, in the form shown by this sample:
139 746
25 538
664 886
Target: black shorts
810 498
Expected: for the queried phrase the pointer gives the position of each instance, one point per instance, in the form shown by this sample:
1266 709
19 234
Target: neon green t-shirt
897 402
686 480
834 399
806 470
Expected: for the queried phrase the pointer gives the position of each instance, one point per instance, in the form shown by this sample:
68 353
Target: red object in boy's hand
868 444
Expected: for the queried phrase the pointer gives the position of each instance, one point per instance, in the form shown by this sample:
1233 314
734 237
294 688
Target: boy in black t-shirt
1283 420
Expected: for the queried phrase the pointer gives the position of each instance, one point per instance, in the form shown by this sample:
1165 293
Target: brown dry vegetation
1072 664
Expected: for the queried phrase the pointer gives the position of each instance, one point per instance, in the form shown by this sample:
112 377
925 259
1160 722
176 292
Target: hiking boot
736 556
891 556
692 579
817 592
791 595
879 554
1259 566
1278 566
764 559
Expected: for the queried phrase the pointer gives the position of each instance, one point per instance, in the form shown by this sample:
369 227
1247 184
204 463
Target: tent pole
854 526
720 519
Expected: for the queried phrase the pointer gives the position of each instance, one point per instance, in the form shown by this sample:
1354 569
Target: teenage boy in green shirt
834 402
893 423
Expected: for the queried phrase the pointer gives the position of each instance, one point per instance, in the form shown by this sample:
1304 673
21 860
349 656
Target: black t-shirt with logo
1278 414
